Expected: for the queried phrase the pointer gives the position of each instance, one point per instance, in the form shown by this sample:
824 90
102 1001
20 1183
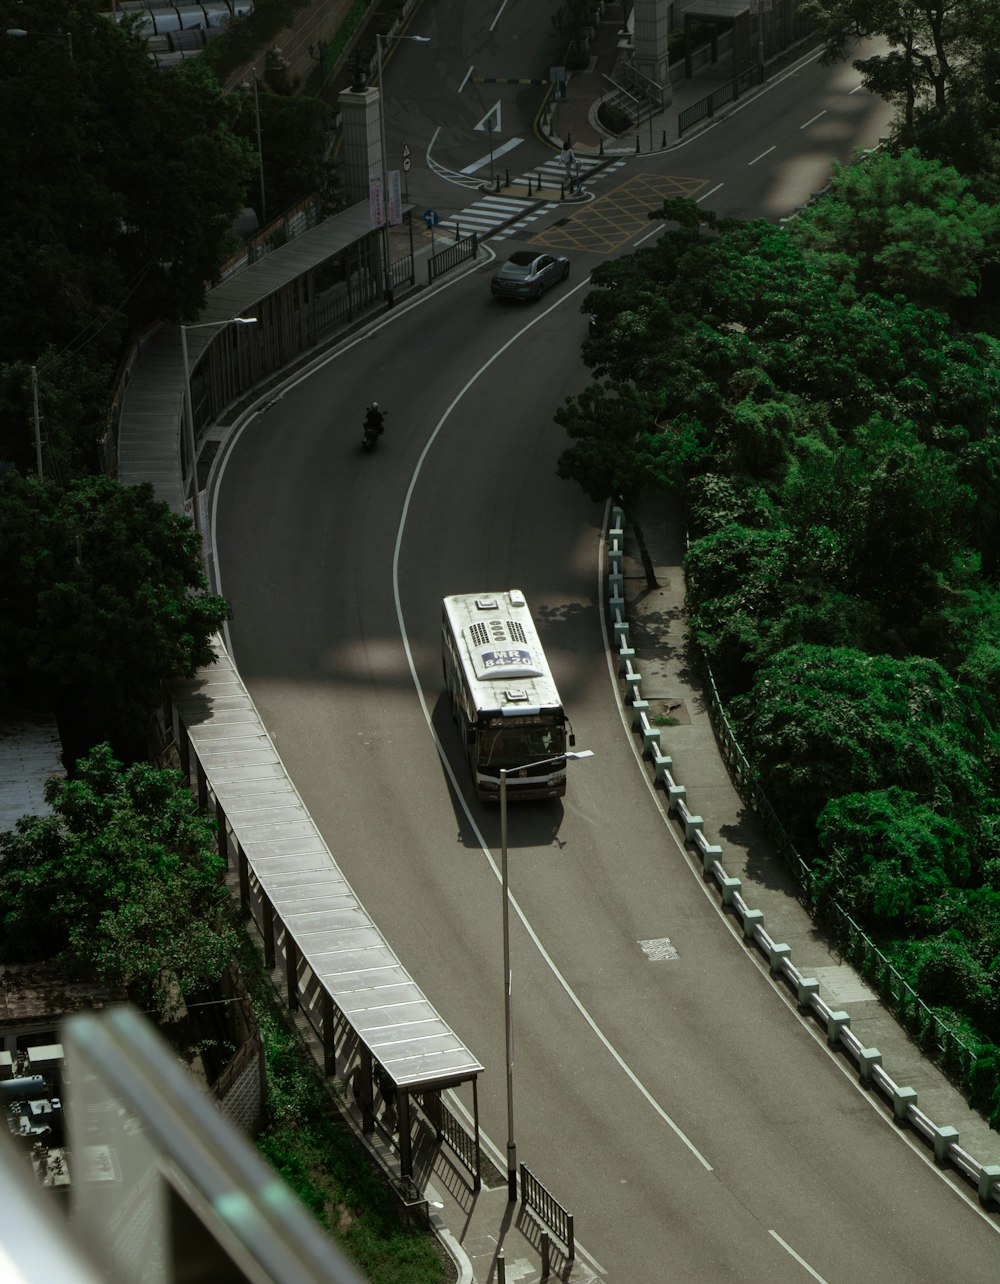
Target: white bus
503 696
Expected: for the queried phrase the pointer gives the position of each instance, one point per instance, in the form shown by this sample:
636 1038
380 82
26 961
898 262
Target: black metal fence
464 248
549 1210
727 93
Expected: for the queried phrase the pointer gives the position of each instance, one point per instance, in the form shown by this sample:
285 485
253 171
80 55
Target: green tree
295 141
928 40
104 599
904 224
621 447
119 884
821 722
886 855
120 187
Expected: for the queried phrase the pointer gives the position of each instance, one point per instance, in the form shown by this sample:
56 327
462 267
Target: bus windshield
519 746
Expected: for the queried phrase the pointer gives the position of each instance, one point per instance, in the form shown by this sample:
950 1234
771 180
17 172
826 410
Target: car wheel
538 291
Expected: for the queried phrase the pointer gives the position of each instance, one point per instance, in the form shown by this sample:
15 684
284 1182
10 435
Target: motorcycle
371 431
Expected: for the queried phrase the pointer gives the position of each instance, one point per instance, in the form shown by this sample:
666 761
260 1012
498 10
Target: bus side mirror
572 739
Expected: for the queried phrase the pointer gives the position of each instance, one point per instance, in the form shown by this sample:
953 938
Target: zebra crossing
500 215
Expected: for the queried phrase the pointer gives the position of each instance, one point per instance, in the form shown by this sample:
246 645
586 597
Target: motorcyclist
375 419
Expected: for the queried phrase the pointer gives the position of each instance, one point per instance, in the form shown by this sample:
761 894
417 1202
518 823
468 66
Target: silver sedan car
525 275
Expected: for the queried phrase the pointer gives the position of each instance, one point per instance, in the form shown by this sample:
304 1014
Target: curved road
692 1124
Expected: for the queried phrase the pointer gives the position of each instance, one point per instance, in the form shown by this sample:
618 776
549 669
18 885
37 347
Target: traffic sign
431 217
490 123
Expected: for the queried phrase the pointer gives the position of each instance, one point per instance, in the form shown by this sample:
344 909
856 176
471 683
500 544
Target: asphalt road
689 1120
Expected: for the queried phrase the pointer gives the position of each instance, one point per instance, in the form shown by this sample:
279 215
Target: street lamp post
380 36
19 32
188 412
508 1019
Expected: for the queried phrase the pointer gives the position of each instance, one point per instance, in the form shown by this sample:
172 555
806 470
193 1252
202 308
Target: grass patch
305 1139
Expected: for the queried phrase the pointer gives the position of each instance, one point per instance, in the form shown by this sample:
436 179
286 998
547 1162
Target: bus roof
501 653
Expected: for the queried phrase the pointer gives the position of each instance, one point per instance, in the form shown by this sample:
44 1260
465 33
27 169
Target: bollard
562 191
546 1241
663 142
497 188
600 150
458 230
501 1269
538 182
506 180
529 184
637 144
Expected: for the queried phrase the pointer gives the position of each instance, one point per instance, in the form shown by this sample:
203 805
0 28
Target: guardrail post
868 1059
710 854
692 826
778 954
752 919
730 886
944 1138
806 988
836 1022
902 1100
988 1179
640 708
662 763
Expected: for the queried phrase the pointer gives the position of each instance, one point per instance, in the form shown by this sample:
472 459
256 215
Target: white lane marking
855 89
499 12
497 152
813 119
711 192
762 155
801 1260
465 79
459 797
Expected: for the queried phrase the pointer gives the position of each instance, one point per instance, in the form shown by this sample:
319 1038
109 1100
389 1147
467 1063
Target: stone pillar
652 29
361 130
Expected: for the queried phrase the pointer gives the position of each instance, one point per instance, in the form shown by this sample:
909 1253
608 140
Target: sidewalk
574 117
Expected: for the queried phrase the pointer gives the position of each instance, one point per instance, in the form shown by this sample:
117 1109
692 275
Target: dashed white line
465 80
813 118
499 12
801 1260
762 155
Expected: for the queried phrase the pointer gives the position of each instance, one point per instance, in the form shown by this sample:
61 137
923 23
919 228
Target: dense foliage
119 884
104 600
826 398
120 188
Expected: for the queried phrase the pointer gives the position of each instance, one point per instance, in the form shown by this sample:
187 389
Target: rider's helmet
375 407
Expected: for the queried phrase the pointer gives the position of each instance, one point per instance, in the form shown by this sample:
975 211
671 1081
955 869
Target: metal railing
465 247
535 1197
727 93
